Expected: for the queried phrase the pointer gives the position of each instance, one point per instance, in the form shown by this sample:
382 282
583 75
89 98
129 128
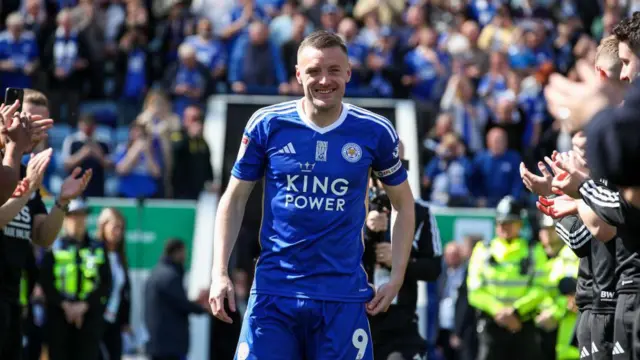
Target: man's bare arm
598 228
228 221
9 173
403 228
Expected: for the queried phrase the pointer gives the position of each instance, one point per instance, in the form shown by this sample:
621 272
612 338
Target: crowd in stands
129 79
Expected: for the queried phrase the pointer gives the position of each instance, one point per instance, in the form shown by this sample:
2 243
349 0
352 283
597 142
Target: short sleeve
251 159
386 163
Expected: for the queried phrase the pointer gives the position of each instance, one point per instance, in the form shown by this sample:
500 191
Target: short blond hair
35 97
607 54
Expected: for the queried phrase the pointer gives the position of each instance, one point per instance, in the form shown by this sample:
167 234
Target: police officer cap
509 209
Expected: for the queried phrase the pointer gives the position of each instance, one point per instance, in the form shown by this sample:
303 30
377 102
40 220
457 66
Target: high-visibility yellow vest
507 274
76 271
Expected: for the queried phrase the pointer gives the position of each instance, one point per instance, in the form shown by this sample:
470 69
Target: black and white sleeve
575 235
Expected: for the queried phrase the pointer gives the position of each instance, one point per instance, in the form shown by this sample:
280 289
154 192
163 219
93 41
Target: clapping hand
74 184
557 208
14 128
539 185
37 167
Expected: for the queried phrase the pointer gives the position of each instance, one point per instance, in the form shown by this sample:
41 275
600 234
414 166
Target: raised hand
15 129
539 185
37 167
74 185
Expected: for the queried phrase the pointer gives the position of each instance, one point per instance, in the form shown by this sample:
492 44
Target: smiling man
311 296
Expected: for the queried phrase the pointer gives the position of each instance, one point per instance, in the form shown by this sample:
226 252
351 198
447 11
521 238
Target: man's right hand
377 221
539 185
14 130
221 288
37 167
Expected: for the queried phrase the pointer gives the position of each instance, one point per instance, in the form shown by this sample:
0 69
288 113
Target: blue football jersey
315 195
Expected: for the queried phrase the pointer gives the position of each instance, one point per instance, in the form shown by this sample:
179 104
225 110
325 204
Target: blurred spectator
256 65
89 22
167 307
110 231
66 57
18 54
385 62
244 13
387 12
210 51
192 171
133 73
470 113
83 148
357 52
187 79
329 17
476 60
450 282
415 20
212 9
158 120
424 68
172 31
139 165
290 50
495 171
443 125
508 116
448 174
495 80
286 26
499 34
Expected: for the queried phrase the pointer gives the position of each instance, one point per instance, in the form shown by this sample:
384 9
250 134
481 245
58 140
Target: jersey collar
313 126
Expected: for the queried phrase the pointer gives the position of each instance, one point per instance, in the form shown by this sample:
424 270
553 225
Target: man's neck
321 118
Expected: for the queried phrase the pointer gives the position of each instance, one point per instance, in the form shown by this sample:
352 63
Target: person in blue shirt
423 68
448 174
256 65
18 54
241 16
210 51
310 295
495 171
358 52
187 80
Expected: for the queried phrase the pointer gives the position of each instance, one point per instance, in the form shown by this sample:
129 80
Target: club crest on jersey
351 152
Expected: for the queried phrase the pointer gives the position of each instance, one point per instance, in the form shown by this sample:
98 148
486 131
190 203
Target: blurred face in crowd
75 224
298 25
508 229
329 20
630 63
504 110
33 7
64 21
497 141
471 31
258 33
449 147
14 24
444 124
427 37
323 74
609 21
205 29
86 126
193 121
549 240
180 256
532 39
415 16
452 255
497 62
348 29
113 232
465 90
188 58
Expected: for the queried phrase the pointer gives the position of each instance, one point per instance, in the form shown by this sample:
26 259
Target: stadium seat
57 134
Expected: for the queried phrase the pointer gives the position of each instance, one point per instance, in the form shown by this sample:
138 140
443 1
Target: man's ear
298 75
601 73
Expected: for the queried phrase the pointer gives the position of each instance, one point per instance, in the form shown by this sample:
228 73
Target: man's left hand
383 254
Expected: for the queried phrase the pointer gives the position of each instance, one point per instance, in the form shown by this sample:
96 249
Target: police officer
76 279
555 318
506 286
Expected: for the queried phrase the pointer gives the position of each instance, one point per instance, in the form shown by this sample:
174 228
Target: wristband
64 208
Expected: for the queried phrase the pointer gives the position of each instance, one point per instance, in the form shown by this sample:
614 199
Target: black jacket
167 311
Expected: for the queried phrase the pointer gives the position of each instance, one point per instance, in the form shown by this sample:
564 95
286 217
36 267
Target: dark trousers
399 345
10 331
602 334
35 337
498 343
548 340
443 342
66 342
111 345
623 329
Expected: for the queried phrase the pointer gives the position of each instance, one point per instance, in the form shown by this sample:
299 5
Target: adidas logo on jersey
584 353
288 149
594 348
617 349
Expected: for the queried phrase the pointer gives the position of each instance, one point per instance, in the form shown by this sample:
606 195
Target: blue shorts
282 328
